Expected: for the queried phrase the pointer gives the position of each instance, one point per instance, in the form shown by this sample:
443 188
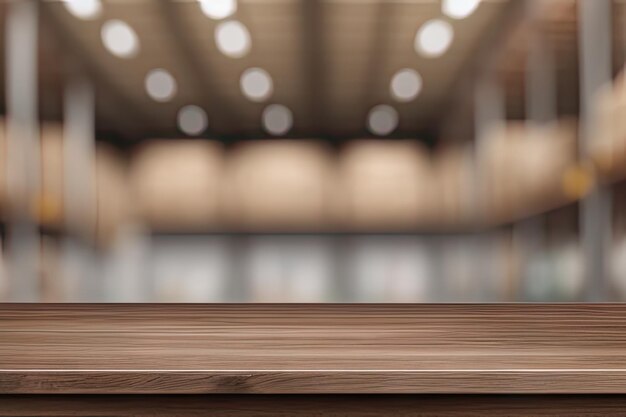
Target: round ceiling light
160 85
256 84
406 85
120 39
382 120
434 38
192 120
277 119
84 9
233 39
459 9
218 9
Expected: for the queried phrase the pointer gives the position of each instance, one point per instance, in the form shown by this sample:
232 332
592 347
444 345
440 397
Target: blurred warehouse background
312 150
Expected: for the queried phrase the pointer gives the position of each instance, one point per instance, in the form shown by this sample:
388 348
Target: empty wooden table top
312 349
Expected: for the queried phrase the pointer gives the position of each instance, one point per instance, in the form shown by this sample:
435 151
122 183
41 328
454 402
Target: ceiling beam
200 75
377 59
314 66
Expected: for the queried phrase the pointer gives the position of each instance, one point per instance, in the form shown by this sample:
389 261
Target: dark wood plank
312 406
312 349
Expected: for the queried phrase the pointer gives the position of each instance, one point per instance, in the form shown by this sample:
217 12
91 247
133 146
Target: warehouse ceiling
330 62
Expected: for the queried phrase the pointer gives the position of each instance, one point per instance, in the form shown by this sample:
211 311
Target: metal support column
595 19
23 148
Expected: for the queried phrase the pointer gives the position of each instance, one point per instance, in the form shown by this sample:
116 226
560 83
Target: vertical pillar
23 149
79 189
595 37
490 109
540 107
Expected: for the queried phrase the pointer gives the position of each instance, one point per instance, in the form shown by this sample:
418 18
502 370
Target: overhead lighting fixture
120 39
434 38
218 9
459 9
160 85
232 38
406 85
277 119
256 84
192 120
84 9
382 120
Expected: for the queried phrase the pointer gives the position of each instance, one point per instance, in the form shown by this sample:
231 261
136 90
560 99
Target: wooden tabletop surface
304 348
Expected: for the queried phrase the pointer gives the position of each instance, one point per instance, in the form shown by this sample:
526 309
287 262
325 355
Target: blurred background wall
312 150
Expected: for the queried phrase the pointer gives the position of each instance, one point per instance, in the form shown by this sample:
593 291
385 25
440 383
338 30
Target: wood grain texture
312 349
312 406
